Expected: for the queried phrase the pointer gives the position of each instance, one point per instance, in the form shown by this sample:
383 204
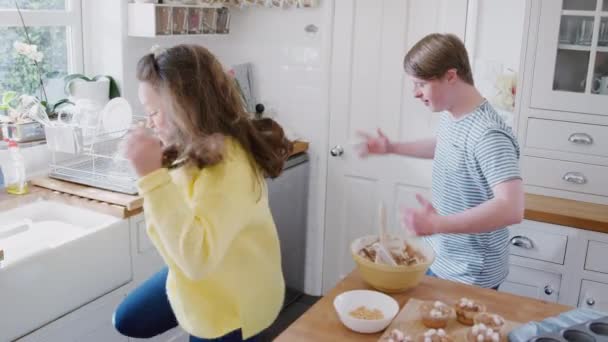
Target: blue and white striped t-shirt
472 155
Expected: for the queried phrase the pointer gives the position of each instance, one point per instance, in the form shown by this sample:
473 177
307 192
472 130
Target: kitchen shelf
574 47
579 13
156 20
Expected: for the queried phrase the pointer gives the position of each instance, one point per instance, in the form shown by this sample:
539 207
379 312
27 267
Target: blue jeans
146 312
431 274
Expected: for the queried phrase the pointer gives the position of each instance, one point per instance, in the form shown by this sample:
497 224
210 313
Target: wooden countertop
12 201
582 215
321 323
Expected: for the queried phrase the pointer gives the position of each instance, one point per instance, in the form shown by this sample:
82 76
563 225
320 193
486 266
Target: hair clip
157 50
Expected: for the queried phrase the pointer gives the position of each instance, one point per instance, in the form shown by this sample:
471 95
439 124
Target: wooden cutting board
408 320
128 201
299 147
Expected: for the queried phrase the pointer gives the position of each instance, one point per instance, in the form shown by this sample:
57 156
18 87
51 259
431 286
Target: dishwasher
288 199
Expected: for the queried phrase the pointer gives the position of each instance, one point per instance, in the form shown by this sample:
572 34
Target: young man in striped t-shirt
476 188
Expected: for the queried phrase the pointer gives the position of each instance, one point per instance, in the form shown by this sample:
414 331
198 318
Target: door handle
337 151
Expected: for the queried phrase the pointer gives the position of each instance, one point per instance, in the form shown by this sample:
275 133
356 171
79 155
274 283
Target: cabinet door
91 323
146 259
593 295
532 283
571 59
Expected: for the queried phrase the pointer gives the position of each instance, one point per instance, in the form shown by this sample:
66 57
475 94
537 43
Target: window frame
71 18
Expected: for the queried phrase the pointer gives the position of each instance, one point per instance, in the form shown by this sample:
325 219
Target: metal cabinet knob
590 301
522 241
575 178
549 290
337 151
581 139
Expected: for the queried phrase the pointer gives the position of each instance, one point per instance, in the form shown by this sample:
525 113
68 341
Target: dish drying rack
89 154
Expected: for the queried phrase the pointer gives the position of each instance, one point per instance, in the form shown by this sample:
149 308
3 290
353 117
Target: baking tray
591 331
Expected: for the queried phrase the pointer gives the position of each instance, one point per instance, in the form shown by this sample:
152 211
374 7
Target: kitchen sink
57 257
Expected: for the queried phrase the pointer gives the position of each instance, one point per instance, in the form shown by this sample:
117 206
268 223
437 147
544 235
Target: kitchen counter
582 215
321 323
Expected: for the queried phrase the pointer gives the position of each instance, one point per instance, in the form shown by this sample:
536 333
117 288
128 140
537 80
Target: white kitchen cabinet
532 283
146 259
572 54
537 240
597 254
558 264
562 103
593 295
91 323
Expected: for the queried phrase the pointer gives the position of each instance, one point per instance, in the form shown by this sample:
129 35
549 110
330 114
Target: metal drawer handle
590 301
522 241
575 178
581 139
549 290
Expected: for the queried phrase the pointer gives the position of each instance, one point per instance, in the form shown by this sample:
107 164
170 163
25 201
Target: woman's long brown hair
205 106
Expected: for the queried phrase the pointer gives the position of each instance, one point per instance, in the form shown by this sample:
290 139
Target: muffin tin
592 331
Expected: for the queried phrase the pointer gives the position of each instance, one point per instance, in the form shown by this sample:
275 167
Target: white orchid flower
29 51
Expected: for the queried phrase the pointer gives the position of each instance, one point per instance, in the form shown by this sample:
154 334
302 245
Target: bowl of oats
365 311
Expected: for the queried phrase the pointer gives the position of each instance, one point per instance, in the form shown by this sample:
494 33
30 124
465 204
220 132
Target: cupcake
490 320
435 314
467 309
397 335
434 335
481 333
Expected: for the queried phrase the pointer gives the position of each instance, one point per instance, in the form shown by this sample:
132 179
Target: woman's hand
144 151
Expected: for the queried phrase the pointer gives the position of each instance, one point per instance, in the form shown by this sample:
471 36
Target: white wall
496 41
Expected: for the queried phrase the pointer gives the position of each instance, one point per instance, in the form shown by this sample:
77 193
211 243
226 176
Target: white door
368 90
571 62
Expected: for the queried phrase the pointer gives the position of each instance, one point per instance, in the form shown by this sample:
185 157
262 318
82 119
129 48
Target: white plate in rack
117 117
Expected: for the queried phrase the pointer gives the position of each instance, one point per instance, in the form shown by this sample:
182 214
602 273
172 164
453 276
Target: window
55 27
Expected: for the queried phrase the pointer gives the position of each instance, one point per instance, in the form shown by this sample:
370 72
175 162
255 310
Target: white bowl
351 300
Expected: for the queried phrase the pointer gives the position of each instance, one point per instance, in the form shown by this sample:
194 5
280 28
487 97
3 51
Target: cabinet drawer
567 137
597 254
593 295
533 283
562 175
535 244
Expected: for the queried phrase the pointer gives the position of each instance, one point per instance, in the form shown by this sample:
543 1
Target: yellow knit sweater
214 229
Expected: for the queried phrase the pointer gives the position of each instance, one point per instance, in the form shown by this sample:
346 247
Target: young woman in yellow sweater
205 203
